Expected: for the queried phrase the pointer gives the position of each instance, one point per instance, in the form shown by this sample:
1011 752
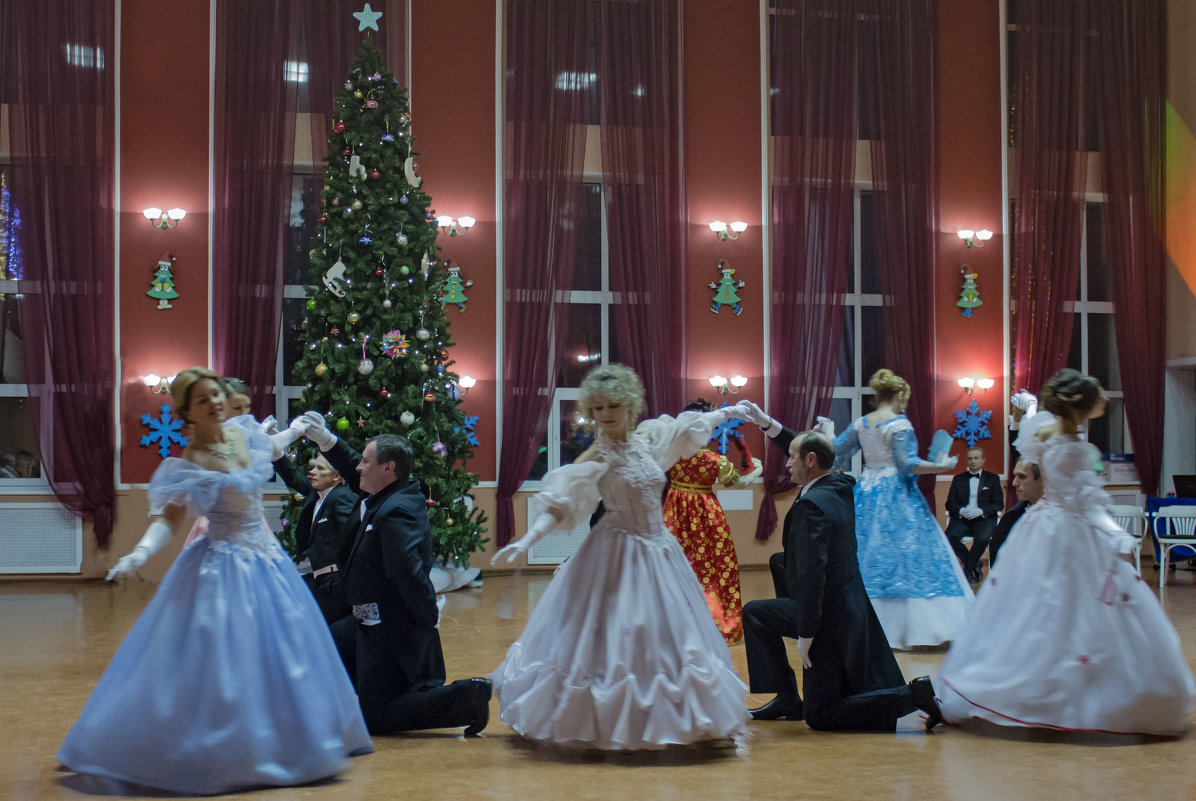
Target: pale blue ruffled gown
913 579
621 651
229 679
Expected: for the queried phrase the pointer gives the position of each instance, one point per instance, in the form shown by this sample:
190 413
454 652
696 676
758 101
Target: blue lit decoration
163 430
972 424
10 223
724 433
471 423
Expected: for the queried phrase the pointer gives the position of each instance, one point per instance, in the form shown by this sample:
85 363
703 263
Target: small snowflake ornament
972 424
164 430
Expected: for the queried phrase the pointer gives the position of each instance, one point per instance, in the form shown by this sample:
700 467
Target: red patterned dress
692 512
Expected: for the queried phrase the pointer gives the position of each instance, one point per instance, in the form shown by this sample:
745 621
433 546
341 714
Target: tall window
1094 337
305 195
20 460
587 335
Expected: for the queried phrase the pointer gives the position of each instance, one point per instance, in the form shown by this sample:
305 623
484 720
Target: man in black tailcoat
323 530
851 680
390 644
974 502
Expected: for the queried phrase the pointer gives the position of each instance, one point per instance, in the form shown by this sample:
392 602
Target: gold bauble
354 317
321 368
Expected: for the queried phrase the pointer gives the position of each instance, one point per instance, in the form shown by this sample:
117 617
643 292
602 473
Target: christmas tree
163 284
377 342
969 295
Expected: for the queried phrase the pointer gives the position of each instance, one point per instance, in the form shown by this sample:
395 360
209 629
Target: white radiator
554 548
39 538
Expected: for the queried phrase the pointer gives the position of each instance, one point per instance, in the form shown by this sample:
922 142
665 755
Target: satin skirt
228 680
621 653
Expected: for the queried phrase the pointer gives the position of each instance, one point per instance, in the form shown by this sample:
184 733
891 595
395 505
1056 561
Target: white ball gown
229 679
1065 634
621 651
913 579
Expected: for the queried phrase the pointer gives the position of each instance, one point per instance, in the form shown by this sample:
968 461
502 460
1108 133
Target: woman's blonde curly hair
890 388
617 382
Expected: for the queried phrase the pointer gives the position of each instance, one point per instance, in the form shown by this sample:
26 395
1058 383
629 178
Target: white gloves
512 551
1025 401
803 647
947 462
754 414
317 432
157 535
971 512
746 479
825 426
269 426
283 439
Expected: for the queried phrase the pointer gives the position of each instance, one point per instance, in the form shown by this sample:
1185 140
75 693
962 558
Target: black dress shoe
480 706
783 706
923 697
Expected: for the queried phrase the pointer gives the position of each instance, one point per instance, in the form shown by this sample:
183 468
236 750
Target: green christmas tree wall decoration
454 288
163 284
376 356
969 294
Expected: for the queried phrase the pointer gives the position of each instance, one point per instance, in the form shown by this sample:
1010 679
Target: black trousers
391 701
980 529
329 592
829 705
776 566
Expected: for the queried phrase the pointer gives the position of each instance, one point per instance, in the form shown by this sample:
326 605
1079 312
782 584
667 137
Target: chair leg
1163 567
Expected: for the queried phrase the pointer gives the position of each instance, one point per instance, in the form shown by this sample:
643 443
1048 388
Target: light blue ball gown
916 584
229 679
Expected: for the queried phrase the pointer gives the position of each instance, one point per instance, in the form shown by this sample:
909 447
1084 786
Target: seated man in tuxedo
323 532
851 680
973 504
390 644
1027 483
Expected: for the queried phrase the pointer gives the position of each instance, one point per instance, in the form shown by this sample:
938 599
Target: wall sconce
164 219
465 383
724 386
158 384
720 229
457 227
974 239
971 384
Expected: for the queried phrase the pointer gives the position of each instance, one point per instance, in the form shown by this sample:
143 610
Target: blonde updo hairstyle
617 382
890 388
1070 394
183 383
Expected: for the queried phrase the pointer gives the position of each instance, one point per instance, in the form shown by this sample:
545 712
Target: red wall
163 162
970 137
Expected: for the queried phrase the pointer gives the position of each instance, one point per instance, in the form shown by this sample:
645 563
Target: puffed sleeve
571 492
728 475
847 444
673 439
905 450
178 482
261 450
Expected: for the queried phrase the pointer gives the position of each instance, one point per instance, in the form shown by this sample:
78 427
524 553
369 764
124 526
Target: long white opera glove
269 426
157 535
746 479
318 432
825 426
283 439
803 647
755 414
512 551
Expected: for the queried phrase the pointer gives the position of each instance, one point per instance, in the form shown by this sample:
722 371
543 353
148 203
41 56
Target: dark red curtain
813 117
544 146
898 47
254 155
1047 101
639 62
1131 74
57 65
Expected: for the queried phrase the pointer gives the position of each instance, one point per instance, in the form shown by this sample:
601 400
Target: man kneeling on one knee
851 680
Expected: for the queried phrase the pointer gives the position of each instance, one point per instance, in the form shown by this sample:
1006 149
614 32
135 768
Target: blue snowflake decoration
163 430
471 423
972 424
725 432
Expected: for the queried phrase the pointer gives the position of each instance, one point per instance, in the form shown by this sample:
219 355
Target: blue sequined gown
229 679
912 577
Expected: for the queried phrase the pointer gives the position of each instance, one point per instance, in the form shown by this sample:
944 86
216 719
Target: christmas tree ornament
356 170
311 304
336 201
454 289
386 304
356 205
377 76
726 287
401 238
439 449
342 424
429 503
409 172
403 199
423 333
353 317
366 18
334 279
394 344
321 219
378 272
423 367
347 151
339 127
371 104
406 418
429 397
321 368
388 137
385 393
162 286
365 366
969 295
358 94
365 240
404 269
425 265
375 175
